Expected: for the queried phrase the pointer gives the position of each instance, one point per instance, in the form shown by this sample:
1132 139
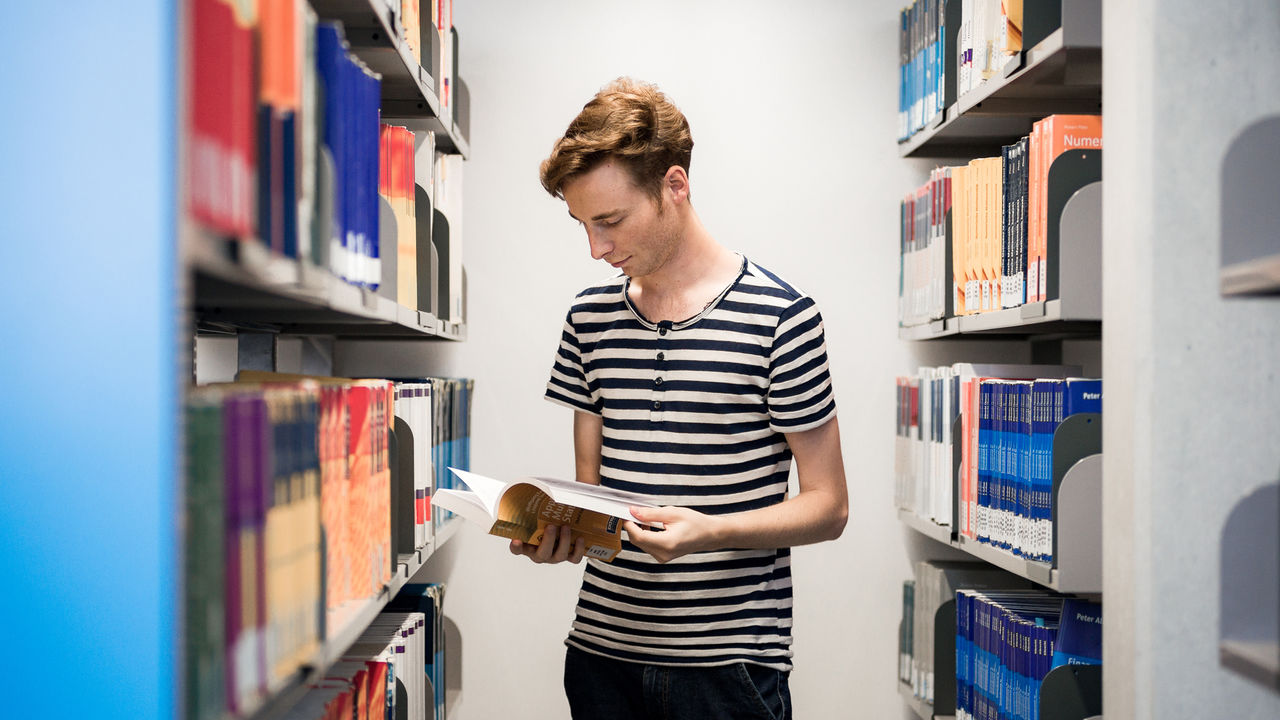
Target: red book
221 162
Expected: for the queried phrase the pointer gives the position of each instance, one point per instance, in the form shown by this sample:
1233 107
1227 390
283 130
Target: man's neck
694 276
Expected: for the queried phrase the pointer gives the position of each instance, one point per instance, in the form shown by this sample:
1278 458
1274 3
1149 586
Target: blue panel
88 434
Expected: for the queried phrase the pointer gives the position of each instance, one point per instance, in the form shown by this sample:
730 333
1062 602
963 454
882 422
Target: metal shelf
1077 565
1045 316
928 528
351 620
1038 318
922 709
241 285
929 331
409 93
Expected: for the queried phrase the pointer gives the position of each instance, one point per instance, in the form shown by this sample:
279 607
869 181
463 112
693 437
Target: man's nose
599 247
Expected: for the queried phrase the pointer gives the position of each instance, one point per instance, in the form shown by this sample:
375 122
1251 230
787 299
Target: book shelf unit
1059 71
237 286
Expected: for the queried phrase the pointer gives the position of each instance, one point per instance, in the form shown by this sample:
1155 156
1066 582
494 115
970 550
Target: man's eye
611 223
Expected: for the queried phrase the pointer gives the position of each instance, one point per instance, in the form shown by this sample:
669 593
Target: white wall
1192 390
792 107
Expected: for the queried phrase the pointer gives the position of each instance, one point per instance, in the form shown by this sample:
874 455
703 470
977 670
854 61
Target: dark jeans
608 689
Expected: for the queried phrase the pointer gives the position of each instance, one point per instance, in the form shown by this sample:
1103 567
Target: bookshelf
410 93
237 286
350 621
1059 71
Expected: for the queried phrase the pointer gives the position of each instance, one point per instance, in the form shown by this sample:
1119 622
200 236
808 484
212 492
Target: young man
695 376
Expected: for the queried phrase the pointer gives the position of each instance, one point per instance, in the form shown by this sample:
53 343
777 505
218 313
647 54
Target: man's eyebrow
598 217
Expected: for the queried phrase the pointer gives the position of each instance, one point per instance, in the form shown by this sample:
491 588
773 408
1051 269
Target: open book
522 508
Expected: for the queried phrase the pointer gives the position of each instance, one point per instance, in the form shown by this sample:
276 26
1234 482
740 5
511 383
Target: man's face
625 226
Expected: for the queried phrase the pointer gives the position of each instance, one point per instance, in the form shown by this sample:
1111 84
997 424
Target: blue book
1026 526
1004 479
1043 422
984 460
1083 395
330 70
1079 634
962 652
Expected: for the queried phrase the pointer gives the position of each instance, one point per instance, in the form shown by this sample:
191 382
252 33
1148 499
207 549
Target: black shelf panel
240 286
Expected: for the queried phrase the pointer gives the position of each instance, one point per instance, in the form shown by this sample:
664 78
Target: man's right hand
555 547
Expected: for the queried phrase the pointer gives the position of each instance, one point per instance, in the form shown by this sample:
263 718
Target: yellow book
975 237
522 509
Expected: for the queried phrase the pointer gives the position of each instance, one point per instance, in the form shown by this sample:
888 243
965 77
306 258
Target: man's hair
629 121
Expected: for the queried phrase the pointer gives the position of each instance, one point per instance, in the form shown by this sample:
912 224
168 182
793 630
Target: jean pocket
769 688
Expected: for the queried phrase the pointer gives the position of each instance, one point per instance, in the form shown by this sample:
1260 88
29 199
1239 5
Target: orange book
1065 132
1034 148
974 302
995 249
377 689
407 242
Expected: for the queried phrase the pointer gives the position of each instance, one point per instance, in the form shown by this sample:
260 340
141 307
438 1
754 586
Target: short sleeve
568 383
800 395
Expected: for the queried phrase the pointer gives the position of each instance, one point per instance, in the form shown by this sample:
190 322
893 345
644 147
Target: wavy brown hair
630 121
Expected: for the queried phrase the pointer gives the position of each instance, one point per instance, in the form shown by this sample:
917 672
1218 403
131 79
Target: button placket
655 406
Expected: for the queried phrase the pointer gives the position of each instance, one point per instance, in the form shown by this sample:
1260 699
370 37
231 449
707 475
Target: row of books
991 217
391 671
1008 416
1008 641
935 583
1007 638
990 33
921 65
452 420
286 148
292 493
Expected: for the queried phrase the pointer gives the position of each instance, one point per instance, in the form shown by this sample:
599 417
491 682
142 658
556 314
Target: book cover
205 558
522 509
1079 640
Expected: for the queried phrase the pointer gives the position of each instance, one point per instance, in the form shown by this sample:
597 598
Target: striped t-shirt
694 414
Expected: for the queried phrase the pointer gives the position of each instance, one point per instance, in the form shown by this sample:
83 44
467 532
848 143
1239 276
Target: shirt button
657 381
662 356
662 331
657 405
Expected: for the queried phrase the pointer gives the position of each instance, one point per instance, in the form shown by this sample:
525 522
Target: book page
466 504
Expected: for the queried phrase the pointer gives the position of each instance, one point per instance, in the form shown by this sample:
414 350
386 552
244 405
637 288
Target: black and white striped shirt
694 414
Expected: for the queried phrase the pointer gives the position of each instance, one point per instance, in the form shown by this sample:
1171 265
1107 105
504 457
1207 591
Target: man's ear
676 181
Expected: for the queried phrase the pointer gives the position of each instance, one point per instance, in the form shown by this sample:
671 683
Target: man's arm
588 439
816 513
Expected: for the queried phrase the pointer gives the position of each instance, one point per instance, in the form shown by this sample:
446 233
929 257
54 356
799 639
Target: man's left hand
683 531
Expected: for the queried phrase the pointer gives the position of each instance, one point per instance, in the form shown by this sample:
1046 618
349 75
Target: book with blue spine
985 390
1044 421
1079 639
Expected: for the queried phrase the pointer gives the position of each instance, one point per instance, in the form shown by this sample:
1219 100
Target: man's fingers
563 547
547 547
